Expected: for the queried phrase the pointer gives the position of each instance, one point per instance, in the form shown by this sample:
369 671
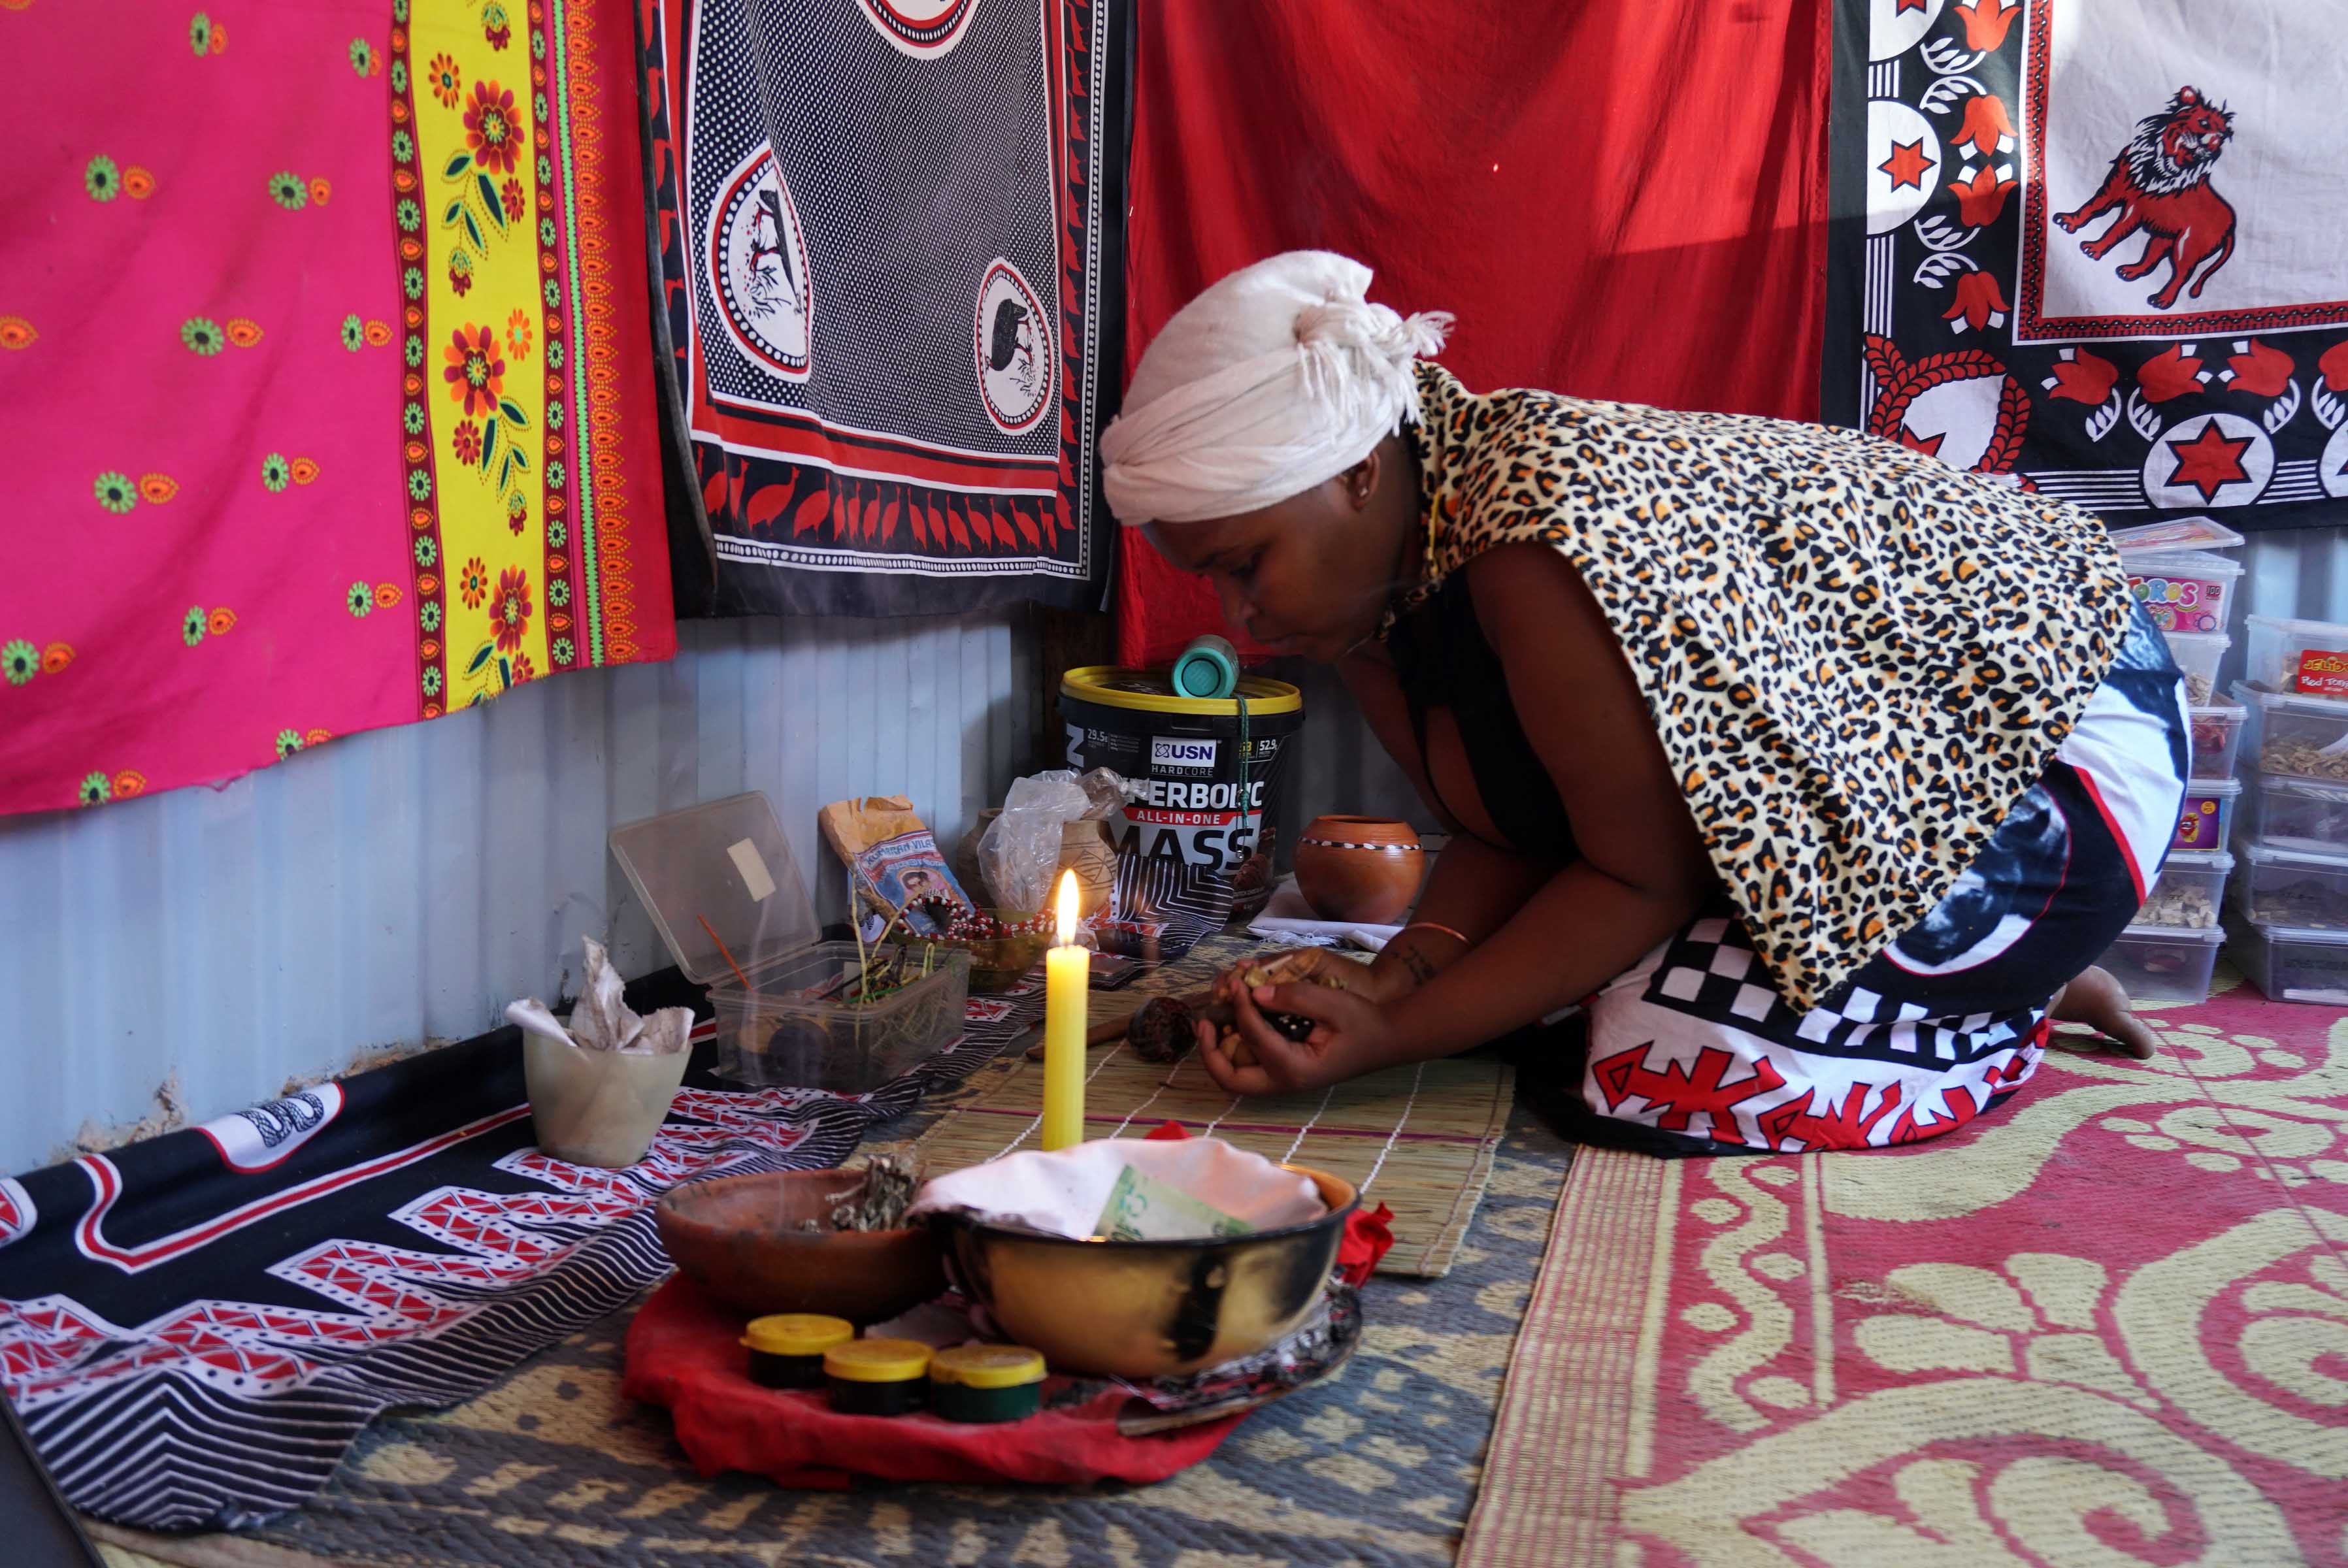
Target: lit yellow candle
1067 972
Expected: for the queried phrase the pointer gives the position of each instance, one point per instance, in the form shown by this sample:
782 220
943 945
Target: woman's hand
1319 966
1351 1035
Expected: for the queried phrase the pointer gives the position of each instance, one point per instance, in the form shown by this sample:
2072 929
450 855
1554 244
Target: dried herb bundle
878 1202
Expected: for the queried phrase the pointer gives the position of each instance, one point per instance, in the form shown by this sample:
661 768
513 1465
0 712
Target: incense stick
721 948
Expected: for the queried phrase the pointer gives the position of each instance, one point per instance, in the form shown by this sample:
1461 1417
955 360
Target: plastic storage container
724 891
2294 814
2216 735
2198 654
2164 964
2190 890
2208 815
2294 887
2183 590
2300 737
2306 658
2293 963
793 1027
2176 534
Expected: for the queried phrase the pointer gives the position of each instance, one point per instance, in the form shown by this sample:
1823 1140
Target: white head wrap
1279 377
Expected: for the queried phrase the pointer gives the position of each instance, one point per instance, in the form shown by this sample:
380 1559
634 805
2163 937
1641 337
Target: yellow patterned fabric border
476 93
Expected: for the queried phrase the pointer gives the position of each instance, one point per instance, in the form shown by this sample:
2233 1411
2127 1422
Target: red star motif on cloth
1928 444
1907 6
2209 461
1907 165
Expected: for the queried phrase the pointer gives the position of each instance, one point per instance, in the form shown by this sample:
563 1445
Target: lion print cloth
1857 658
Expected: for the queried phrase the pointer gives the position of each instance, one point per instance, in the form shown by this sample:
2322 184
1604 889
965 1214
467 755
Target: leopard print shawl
1857 658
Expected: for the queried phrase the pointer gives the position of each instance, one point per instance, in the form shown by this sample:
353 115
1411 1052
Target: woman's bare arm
1473 887
1643 871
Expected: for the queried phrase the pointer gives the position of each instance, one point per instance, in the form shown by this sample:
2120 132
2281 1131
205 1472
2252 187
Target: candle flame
1067 908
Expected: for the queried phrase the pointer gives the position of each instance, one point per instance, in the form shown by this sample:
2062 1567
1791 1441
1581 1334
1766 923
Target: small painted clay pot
1361 869
1086 849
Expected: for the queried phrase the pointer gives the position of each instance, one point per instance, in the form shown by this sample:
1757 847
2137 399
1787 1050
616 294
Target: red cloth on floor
1619 199
684 1352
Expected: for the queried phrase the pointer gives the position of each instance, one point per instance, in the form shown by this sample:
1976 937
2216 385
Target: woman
1821 770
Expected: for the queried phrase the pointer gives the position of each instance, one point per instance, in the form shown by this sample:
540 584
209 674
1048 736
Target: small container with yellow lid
986 1383
876 1377
787 1350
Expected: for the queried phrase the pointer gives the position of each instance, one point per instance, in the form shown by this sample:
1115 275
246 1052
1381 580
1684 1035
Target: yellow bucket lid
1152 692
987 1365
796 1334
876 1361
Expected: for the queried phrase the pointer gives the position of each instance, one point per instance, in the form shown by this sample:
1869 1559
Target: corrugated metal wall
2303 574
409 882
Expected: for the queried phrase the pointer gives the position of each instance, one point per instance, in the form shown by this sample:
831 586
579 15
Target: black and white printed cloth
890 278
195 1327
2096 247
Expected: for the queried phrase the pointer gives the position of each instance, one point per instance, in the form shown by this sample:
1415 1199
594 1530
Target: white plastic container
2294 814
2190 890
2304 658
724 890
2217 736
2293 963
2206 821
2294 736
2183 590
2294 887
2176 534
2164 964
2198 654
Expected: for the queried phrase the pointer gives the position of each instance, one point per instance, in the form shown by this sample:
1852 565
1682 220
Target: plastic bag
1020 855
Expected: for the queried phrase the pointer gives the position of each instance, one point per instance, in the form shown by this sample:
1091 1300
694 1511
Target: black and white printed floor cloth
195 1328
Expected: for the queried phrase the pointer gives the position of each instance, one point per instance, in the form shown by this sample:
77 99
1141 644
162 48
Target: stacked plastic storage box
2290 906
2185 576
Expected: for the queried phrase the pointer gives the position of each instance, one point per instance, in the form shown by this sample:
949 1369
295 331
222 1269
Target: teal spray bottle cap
1208 667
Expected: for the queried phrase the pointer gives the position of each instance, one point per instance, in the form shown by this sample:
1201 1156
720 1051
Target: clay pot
1086 849
738 1238
1364 870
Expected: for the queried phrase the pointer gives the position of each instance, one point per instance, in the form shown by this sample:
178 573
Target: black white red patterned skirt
1693 1052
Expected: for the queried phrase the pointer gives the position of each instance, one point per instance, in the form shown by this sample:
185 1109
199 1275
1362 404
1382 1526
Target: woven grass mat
1420 1139
552 1469
2105 1325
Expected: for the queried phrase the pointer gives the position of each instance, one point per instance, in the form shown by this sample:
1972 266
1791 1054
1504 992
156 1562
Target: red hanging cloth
1618 199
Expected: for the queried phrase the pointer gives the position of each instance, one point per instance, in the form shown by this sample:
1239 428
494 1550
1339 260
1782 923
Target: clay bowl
737 1238
1151 1308
1361 869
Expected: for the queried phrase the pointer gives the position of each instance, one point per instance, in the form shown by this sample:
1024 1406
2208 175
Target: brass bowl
1146 1309
738 1238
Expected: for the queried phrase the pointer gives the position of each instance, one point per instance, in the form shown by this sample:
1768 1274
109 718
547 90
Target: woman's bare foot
2101 1003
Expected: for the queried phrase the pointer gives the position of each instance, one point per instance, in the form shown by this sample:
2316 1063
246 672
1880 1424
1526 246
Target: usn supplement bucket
1199 847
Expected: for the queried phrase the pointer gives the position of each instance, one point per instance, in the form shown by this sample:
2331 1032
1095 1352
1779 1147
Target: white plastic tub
2300 737
2183 590
2305 658
2293 963
2217 737
2208 815
2190 890
2295 814
2164 964
2294 887
2198 654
